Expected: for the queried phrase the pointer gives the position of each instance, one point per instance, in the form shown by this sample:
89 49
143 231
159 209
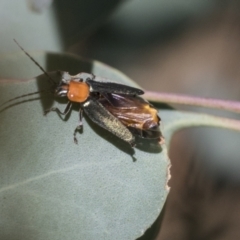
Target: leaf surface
52 188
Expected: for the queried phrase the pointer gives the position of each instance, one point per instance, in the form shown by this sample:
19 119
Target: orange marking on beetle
153 112
78 91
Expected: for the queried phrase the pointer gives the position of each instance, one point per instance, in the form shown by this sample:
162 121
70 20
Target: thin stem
232 106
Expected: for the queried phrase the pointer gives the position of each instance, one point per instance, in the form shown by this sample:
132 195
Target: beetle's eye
61 92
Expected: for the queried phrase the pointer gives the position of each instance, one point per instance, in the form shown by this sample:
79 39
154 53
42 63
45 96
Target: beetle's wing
135 113
111 87
150 133
102 117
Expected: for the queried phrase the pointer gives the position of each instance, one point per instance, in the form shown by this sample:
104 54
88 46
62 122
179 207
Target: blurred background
178 46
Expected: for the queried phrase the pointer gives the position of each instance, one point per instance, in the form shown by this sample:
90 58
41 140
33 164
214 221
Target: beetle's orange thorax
78 91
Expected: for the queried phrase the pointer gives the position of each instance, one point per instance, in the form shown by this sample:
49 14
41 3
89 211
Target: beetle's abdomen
78 91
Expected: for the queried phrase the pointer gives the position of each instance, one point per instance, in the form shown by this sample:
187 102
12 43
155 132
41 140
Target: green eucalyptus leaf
52 188
177 120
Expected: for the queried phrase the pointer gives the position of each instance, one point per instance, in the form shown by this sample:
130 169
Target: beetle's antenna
46 74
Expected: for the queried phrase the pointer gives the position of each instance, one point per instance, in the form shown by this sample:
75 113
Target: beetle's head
62 89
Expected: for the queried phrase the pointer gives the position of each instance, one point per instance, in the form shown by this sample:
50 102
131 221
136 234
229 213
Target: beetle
118 108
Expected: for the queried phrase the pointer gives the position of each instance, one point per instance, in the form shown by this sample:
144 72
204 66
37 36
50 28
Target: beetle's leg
54 109
93 76
82 77
79 126
86 76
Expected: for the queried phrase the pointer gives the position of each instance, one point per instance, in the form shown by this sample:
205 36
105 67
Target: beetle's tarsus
79 127
75 140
